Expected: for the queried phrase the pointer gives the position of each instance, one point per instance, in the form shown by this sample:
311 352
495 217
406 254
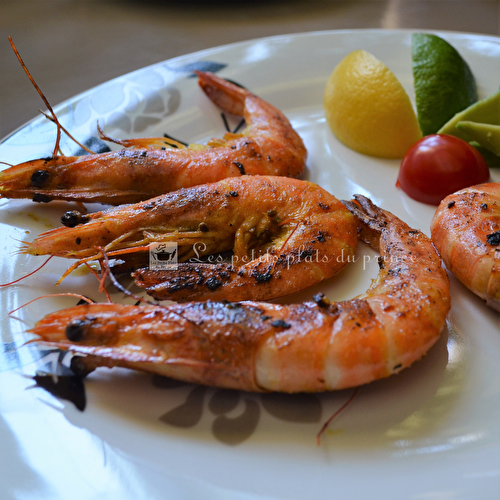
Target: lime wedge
485 134
485 111
444 83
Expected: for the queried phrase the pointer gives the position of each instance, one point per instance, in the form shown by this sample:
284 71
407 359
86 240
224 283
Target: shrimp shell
284 234
258 346
268 146
466 232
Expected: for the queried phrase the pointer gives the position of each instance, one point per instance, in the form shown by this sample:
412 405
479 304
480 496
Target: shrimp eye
39 178
75 331
72 218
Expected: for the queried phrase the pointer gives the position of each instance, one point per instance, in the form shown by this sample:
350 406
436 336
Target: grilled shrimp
258 346
466 232
268 146
284 234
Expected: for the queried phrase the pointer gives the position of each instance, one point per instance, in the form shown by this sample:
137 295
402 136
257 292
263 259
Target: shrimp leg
258 346
268 146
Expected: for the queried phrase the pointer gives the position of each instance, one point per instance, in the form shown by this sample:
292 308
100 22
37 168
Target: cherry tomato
438 165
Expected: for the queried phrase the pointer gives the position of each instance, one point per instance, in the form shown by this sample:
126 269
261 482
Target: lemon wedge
368 109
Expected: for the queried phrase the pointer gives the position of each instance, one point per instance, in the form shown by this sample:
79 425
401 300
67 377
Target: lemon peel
368 109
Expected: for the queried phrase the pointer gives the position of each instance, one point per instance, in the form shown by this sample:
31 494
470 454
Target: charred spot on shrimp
280 323
304 254
262 277
493 239
240 167
41 198
39 178
213 283
183 284
396 271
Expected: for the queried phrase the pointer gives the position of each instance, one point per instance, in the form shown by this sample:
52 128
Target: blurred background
73 45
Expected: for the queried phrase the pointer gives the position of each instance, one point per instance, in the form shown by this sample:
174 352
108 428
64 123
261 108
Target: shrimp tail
372 220
226 95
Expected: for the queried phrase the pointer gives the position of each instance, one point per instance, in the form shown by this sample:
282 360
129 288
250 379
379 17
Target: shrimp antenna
49 107
102 288
27 275
66 294
117 284
128 292
328 422
285 242
85 148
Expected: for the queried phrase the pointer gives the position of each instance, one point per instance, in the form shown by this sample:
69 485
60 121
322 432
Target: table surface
73 45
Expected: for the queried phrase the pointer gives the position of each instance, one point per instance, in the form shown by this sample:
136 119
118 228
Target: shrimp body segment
267 146
466 232
258 346
283 234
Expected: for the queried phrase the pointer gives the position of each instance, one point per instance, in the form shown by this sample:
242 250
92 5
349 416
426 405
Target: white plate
430 432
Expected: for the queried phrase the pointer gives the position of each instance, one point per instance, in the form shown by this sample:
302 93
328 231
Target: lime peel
444 83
